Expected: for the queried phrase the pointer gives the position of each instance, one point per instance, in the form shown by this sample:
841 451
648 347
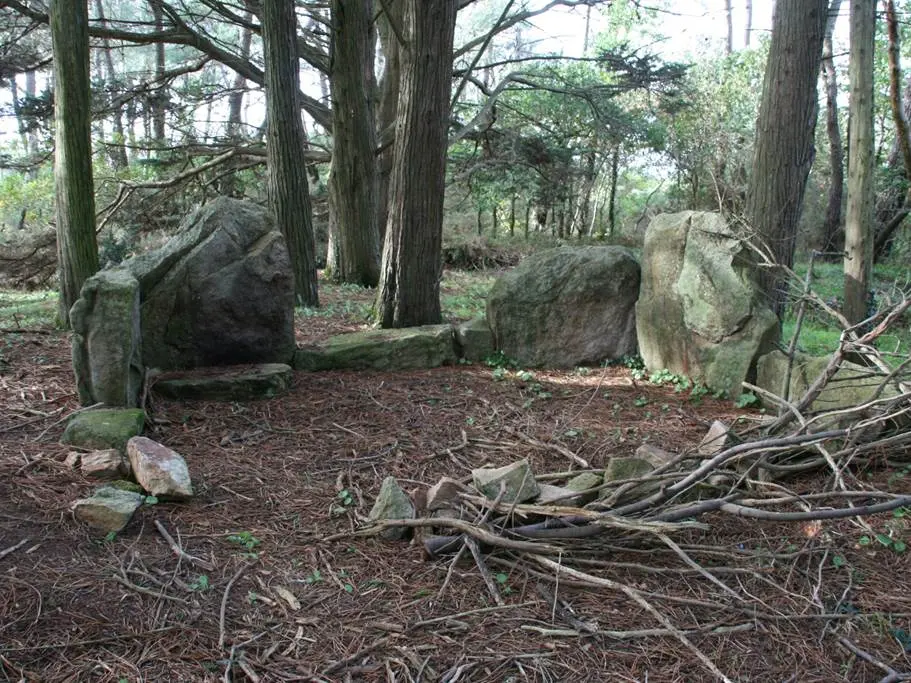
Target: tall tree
859 216
410 274
77 250
289 191
387 22
784 148
354 253
829 241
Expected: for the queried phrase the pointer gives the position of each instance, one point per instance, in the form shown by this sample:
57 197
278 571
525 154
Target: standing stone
698 312
159 470
474 339
106 340
219 293
567 306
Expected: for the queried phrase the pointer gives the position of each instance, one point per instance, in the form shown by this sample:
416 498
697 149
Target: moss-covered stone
619 469
109 509
238 383
475 340
517 478
125 485
392 503
409 348
104 428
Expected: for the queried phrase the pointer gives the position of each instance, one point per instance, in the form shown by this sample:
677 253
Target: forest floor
274 601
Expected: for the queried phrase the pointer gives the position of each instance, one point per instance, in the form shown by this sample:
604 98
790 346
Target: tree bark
893 204
729 14
859 215
831 238
354 252
289 191
612 198
388 98
77 250
784 136
159 102
410 276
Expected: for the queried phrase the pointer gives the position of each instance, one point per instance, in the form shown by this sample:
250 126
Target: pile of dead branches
757 476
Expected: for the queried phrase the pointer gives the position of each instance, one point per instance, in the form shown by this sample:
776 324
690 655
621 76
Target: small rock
716 439
159 470
108 510
73 459
444 494
475 339
653 455
103 428
106 464
558 495
585 482
518 478
626 468
392 503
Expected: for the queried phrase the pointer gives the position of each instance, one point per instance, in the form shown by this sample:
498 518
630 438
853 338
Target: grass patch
27 310
463 293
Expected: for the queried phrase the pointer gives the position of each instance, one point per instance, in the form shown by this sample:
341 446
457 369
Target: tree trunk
77 251
831 238
892 206
289 192
859 215
527 225
729 13
159 103
354 253
784 136
410 283
612 198
234 129
512 216
388 99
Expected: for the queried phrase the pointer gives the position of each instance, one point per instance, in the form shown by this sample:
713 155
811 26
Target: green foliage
245 539
201 583
27 310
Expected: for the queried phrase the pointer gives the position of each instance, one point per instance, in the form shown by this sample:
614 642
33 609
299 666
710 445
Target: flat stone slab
410 348
233 383
104 428
108 509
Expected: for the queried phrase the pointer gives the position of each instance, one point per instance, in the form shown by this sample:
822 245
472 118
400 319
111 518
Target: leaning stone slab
619 469
715 440
159 470
104 428
517 477
409 348
108 509
104 464
106 340
235 383
392 503
474 339
584 482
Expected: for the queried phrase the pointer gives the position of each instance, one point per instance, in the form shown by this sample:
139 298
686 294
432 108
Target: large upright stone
567 306
219 293
698 312
106 341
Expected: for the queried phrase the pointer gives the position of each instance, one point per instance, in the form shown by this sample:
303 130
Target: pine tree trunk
410 282
354 255
859 214
77 251
784 136
388 99
831 237
289 191
612 198
159 103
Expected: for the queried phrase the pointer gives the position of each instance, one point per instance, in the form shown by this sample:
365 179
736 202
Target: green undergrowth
27 310
819 333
